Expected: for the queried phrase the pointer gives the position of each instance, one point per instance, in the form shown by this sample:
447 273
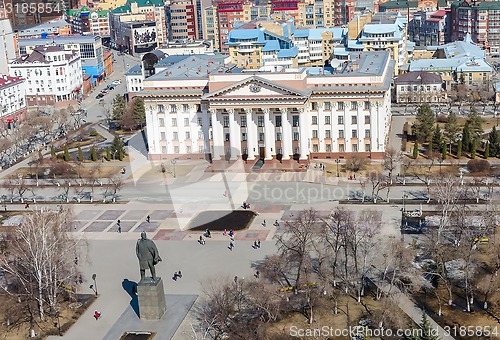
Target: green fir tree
466 138
459 149
66 153
80 154
108 153
415 150
487 150
139 112
53 152
494 142
93 154
437 139
424 123
473 149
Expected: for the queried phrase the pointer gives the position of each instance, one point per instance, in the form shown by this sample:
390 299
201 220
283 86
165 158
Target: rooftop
6 81
420 77
135 70
39 55
67 39
49 27
191 67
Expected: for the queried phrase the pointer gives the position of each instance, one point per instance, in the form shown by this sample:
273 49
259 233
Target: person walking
231 245
148 219
257 274
119 229
258 243
97 315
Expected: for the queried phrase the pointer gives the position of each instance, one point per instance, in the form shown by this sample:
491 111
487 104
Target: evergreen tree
494 142
466 138
475 122
80 154
444 151
108 153
424 124
451 128
487 150
119 106
117 149
53 152
437 139
430 150
139 112
459 149
66 153
427 329
415 150
93 154
473 149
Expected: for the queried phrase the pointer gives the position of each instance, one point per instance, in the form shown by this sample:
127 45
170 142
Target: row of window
261 121
244 135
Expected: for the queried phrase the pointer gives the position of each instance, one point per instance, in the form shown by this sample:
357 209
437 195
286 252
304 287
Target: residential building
187 47
430 28
386 31
12 98
135 80
419 87
138 26
52 75
204 107
409 8
8 45
49 28
480 19
89 22
102 5
183 20
89 47
20 13
457 62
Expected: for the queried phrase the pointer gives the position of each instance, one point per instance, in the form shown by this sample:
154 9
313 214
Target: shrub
93 133
478 166
442 118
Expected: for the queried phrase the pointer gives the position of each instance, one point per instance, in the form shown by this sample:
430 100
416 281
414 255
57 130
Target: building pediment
255 88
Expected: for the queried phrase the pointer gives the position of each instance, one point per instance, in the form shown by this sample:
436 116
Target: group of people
177 275
245 205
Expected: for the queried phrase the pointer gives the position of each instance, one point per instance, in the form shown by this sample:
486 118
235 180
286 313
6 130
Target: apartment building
89 22
49 28
12 98
52 75
8 45
183 20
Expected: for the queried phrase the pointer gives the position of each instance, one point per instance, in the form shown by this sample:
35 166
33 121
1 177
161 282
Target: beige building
419 87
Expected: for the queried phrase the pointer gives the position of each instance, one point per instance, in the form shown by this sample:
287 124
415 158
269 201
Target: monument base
151 298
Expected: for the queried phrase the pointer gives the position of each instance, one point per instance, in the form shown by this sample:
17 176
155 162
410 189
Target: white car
117 82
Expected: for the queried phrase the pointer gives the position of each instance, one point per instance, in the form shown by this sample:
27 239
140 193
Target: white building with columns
203 107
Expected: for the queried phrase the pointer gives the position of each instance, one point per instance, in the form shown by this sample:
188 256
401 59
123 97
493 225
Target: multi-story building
204 107
52 75
457 62
49 28
252 48
187 47
22 12
419 87
480 19
386 31
183 20
89 47
8 45
89 22
140 23
12 98
102 5
430 28
409 8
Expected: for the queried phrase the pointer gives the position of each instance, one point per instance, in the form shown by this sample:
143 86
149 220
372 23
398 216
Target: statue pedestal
151 298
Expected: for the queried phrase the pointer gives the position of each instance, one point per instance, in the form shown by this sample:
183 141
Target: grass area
180 170
76 144
83 171
331 170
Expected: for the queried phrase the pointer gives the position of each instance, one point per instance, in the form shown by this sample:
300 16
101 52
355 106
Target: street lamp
337 161
94 286
174 161
404 196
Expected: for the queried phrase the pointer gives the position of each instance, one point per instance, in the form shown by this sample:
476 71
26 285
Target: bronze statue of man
148 255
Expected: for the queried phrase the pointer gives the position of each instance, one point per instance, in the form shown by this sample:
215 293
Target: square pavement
134 215
88 215
97 226
177 308
111 215
147 227
126 226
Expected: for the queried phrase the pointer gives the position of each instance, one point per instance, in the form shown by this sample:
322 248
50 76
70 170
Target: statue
148 256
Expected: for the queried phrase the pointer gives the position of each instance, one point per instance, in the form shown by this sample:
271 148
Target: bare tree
378 182
115 182
406 164
447 192
391 161
40 257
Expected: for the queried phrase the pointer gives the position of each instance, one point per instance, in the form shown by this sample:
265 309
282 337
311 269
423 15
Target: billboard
145 35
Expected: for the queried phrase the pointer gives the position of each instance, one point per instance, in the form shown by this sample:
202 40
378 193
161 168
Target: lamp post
174 161
94 286
337 161
404 196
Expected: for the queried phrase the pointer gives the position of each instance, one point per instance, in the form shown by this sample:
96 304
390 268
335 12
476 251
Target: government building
202 106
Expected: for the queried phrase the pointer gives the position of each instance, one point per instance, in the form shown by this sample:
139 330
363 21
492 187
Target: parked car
100 95
116 82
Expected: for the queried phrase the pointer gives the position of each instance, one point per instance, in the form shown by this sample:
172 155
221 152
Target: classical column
152 123
286 134
268 134
205 128
217 136
234 135
251 135
304 134
321 128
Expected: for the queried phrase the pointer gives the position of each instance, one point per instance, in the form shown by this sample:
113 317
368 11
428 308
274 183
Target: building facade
12 98
89 47
8 45
52 75
419 87
220 113
183 20
49 28
89 22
